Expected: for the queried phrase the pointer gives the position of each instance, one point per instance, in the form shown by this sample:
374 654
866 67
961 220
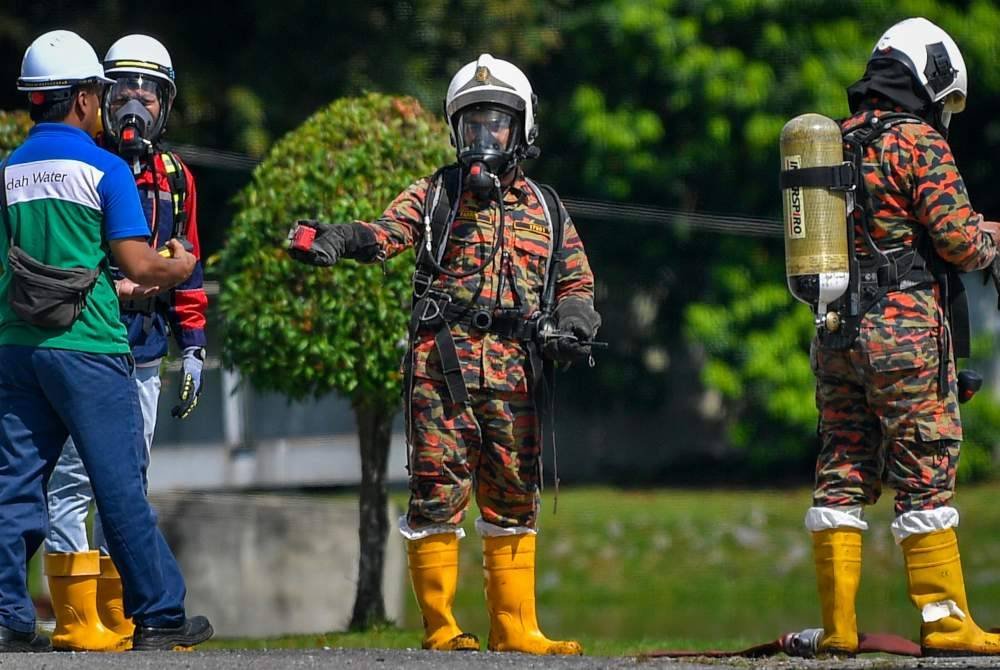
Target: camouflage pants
490 444
882 419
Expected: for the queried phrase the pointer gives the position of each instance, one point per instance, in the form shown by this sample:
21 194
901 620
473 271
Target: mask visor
486 131
123 99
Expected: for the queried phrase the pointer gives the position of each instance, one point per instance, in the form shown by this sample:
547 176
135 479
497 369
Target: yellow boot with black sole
937 588
73 586
433 562
110 602
837 553
509 568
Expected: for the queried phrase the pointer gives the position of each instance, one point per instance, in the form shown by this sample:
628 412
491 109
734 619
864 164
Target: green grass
628 571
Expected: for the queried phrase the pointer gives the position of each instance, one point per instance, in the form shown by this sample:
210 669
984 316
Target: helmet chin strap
945 120
940 119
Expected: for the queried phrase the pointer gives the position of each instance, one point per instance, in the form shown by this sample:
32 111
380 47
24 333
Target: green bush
303 331
14 127
754 339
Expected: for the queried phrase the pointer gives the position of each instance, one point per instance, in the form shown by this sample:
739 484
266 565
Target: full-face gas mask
488 141
134 115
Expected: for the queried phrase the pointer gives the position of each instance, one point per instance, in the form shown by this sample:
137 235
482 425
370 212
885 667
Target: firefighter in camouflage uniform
502 288
888 407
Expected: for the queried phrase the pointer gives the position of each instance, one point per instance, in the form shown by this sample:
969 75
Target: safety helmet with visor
490 109
56 62
138 103
933 59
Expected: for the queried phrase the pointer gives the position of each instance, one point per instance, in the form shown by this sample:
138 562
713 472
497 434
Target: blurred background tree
14 128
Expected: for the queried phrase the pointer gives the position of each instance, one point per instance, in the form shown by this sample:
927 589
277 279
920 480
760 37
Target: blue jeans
70 494
47 395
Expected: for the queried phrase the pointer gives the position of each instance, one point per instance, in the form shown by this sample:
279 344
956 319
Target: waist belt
436 311
145 306
507 323
139 305
909 270
901 272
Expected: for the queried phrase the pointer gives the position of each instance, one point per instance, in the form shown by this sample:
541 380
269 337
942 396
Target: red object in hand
303 238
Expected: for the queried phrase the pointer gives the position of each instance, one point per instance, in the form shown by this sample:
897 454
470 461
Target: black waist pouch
44 295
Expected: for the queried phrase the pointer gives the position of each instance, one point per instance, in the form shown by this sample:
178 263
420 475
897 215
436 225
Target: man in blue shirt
67 203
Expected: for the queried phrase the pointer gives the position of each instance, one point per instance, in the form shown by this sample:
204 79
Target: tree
14 128
303 331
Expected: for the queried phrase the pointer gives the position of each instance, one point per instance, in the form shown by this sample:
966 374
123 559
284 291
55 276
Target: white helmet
59 59
489 80
141 55
932 57
141 69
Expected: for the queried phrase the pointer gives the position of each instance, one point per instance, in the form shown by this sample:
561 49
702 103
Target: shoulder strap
442 199
867 133
857 140
178 190
553 208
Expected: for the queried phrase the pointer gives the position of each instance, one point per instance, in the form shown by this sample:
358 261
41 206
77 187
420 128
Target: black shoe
194 630
13 641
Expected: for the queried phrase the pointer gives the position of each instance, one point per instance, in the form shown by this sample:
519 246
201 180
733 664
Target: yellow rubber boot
110 604
934 578
434 572
73 587
509 568
837 553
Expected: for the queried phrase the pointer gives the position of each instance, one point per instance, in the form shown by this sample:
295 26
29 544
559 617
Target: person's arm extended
140 263
394 232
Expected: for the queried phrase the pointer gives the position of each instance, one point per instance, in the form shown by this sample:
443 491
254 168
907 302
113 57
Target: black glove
576 325
333 242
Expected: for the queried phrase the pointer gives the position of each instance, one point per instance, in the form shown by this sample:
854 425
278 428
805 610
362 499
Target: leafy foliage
14 128
675 103
304 331
752 334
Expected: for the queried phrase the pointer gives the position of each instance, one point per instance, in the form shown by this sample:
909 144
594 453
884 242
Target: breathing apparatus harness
435 310
177 182
880 272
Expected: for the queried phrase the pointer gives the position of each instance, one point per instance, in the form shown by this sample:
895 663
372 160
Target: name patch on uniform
467 213
536 228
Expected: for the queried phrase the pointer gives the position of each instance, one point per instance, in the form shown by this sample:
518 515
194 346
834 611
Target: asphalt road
384 659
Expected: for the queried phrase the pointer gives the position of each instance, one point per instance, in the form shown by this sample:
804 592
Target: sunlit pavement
362 659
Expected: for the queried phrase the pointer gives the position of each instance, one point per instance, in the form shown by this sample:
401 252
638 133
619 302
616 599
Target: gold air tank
816 255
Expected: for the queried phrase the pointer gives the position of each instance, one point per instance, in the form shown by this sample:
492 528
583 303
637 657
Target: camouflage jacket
517 273
914 185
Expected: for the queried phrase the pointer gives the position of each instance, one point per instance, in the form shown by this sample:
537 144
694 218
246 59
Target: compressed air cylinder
816 254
